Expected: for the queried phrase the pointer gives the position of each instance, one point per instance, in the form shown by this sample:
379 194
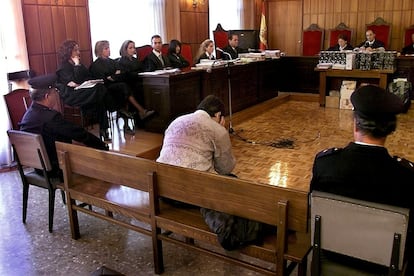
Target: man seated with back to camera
364 169
200 141
41 118
232 47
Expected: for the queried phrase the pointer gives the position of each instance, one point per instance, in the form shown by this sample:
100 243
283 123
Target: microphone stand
231 130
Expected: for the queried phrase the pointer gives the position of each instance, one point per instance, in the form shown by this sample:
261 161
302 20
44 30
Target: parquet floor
311 129
275 142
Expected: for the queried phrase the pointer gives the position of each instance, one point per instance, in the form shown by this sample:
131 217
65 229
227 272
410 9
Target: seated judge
41 118
409 49
233 47
371 44
156 60
205 51
342 44
174 55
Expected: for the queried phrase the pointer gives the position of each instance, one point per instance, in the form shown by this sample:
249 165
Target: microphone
224 52
366 44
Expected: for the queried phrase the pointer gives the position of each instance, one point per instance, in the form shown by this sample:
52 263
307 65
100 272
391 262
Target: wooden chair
143 52
372 234
312 40
221 38
382 30
340 29
15 102
407 35
30 151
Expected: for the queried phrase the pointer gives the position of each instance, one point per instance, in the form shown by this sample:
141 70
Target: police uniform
51 125
367 172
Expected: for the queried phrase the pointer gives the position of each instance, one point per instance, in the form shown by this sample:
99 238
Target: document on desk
89 84
160 72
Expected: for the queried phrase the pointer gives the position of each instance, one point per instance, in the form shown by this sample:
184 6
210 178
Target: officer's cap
43 82
372 102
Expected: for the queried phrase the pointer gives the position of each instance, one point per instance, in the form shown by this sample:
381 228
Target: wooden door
285 26
48 24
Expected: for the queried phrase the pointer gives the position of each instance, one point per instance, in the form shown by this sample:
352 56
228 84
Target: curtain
228 13
247 14
13 57
137 21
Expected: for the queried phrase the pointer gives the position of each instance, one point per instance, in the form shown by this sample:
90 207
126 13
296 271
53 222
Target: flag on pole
263 29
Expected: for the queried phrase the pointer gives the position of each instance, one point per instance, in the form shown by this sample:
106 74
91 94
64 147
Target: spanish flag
263 29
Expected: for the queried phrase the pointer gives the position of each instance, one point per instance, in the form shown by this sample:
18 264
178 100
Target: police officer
41 118
364 169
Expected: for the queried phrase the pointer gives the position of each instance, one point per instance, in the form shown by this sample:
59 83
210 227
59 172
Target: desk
380 76
170 95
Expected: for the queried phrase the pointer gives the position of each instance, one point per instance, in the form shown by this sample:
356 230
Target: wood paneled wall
194 23
357 13
288 18
47 24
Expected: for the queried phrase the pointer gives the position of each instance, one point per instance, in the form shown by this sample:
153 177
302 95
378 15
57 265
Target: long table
172 95
379 77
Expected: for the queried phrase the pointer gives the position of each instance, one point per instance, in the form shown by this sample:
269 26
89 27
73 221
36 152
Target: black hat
43 82
371 101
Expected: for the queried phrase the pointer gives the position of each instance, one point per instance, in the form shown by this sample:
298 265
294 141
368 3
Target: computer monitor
248 39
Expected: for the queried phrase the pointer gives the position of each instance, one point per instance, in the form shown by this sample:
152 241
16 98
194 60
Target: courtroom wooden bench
287 209
108 185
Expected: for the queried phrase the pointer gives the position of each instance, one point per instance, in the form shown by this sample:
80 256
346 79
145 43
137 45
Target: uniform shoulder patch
327 152
404 162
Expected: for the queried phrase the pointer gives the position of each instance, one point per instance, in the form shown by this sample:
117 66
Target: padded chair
362 235
335 32
382 30
221 38
187 53
30 152
407 35
312 40
143 52
15 102
164 49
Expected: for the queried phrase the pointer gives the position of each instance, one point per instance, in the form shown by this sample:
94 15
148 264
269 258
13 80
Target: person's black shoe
103 133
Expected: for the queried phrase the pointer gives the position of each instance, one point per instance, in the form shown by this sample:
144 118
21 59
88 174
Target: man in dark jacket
364 169
41 118
232 48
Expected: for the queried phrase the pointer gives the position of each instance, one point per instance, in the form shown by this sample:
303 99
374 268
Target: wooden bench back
232 195
103 165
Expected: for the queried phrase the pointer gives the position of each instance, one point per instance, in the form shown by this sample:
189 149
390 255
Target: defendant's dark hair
212 104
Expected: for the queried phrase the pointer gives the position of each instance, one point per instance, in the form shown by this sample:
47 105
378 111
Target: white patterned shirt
197 141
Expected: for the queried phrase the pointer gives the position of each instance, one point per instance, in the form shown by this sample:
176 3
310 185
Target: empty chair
15 102
220 38
312 40
30 152
365 237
